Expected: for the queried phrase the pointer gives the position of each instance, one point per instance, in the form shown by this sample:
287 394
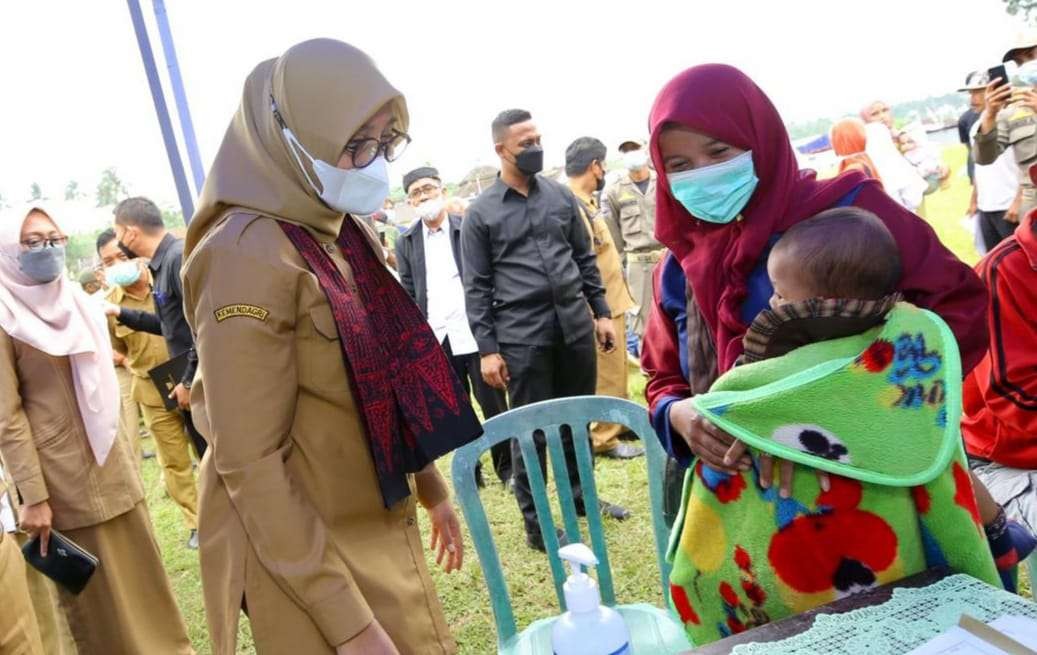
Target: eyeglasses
422 191
366 150
38 243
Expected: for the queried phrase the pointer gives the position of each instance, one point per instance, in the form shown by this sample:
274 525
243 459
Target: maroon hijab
724 103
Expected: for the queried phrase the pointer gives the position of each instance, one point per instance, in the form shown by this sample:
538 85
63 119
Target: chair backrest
548 417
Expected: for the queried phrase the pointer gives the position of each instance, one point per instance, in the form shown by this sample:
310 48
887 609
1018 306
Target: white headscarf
899 178
60 319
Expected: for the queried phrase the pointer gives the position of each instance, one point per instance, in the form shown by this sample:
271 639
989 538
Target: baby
848 253
843 377
924 159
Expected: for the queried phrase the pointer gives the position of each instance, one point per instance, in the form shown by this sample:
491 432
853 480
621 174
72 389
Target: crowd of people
805 343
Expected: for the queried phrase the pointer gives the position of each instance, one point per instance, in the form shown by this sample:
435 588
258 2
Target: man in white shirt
428 257
995 195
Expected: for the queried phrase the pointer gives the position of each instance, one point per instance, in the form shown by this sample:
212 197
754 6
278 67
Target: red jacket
1000 395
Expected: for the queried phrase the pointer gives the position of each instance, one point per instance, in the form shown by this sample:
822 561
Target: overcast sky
76 100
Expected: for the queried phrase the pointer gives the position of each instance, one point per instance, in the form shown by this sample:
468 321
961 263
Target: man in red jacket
1000 394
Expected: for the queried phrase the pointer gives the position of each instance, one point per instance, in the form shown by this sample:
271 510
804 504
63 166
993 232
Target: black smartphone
998 73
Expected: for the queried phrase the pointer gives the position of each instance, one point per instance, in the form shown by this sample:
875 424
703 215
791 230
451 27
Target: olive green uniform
1016 127
630 215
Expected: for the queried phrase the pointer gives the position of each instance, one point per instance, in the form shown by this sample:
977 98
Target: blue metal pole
179 95
172 150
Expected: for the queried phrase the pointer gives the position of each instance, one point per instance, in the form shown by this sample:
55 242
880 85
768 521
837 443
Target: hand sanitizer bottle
587 628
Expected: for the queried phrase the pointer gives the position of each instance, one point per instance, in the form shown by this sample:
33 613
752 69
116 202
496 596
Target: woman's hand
786 469
446 536
36 520
706 441
372 640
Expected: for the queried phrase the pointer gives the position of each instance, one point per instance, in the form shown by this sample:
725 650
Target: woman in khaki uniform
59 405
320 388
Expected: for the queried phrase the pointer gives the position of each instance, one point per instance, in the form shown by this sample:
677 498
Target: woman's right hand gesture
36 520
372 640
721 451
706 441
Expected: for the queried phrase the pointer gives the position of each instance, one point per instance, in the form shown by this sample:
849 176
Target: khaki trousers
129 414
639 280
612 381
173 451
19 632
127 608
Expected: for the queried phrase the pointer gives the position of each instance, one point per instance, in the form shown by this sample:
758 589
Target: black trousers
994 228
196 437
492 401
544 373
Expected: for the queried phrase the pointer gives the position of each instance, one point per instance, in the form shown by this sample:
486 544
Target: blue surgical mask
43 265
718 193
124 274
1025 75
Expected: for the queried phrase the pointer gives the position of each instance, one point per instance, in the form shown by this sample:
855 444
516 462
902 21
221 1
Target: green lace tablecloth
904 622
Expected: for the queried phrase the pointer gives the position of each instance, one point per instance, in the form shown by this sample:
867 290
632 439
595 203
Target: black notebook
66 563
166 376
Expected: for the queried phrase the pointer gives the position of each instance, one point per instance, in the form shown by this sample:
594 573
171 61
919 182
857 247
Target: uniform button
410 520
329 248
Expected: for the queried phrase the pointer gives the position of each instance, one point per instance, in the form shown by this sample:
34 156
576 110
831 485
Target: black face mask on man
125 249
530 161
601 181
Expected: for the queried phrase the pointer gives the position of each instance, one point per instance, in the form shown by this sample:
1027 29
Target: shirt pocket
320 362
1023 141
630 218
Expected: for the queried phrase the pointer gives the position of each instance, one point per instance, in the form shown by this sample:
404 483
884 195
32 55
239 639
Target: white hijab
899 178
61 320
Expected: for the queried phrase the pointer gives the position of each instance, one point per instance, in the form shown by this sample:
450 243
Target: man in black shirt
142 233
533 293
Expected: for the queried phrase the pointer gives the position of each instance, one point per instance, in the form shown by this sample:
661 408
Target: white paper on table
957 641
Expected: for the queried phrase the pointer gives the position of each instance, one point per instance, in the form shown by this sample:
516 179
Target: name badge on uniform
247 311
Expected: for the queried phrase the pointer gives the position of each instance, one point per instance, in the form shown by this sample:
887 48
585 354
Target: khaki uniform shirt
45 447
289 474
630 215
143 351
1016 127
610 265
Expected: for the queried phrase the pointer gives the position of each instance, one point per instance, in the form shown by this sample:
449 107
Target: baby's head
840 253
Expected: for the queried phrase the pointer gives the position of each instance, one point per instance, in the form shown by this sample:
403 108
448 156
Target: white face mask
360 191
635 159
430 208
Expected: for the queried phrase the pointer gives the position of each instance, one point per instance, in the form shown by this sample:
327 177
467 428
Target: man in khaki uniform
1010 119
630 215
585 168
130 288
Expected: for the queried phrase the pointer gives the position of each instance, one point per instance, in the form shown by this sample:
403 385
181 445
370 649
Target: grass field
463 593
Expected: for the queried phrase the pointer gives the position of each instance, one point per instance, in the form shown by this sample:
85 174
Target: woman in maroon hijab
729 185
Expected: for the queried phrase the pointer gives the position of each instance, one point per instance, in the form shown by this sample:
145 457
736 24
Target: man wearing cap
969 118
630 214
1010 119
428 257
585 168
995 188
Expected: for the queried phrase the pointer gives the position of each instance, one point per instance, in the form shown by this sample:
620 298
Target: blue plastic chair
653 630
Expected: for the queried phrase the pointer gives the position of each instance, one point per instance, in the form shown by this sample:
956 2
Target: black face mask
530 161
601 184
125 250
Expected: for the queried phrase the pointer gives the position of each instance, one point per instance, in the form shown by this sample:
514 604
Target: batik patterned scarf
412 403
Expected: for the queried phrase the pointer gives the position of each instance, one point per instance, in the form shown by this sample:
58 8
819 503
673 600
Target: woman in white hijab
59 408
899 178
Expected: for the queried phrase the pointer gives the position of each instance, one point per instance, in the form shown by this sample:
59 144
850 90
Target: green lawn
463 593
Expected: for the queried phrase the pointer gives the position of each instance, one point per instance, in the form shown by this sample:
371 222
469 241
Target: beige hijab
325 90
